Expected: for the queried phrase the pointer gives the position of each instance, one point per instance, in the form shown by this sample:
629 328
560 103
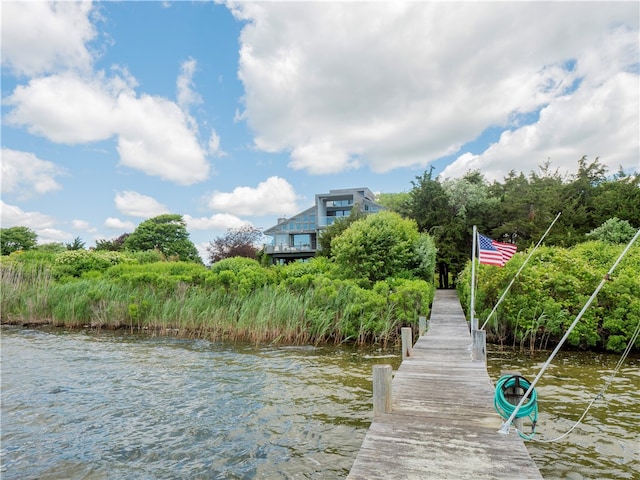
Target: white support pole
472 303
479 346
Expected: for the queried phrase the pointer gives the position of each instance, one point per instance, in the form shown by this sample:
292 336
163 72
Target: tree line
374 273
520 208
517 210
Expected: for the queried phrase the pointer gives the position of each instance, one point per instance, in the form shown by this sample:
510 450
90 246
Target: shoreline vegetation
306 303
372 274
239 300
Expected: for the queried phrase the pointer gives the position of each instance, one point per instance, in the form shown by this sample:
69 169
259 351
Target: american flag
494 253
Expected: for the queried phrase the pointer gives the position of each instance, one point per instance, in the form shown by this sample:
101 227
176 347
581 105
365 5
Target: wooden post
474 323
382 375
407 342
513 395
479 345
422 325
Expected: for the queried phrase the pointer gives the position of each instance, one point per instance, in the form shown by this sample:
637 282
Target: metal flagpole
472 306
504 294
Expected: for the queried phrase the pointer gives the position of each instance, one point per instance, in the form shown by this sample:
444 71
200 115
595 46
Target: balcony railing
271 249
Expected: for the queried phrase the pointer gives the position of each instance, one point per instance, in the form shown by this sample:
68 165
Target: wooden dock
443 424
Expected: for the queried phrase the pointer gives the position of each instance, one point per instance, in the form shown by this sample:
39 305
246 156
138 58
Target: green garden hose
529 408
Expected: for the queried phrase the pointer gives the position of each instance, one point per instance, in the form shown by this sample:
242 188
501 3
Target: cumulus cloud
11 216
154 134
83 225
43 37
587 122
24 174
218 221
65 108
138 205
53 235
401 84
121 225
155 138
273 196
66 102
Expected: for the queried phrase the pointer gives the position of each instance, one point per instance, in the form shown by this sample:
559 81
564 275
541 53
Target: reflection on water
606 444
80 405
102 406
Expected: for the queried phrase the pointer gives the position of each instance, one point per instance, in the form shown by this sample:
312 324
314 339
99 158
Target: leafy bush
376 247
74 263
552 290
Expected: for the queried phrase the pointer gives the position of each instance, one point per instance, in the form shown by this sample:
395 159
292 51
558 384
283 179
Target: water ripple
79 405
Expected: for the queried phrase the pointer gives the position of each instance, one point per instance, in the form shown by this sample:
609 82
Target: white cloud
587 122
400 84
24 174
137 205
13 216
187 96
65 108
214 145
218 221
83 225
53 235
273 196
154 135
42 37
117 224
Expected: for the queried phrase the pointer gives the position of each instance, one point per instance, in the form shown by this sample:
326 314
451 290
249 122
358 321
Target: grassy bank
295 305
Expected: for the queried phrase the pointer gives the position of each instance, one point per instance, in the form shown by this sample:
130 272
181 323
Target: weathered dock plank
443 424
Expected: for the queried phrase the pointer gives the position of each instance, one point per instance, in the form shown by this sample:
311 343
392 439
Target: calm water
81 405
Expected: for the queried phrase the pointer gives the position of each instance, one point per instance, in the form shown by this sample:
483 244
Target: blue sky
236 113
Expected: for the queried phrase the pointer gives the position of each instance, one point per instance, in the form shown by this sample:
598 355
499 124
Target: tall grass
24 293
335 313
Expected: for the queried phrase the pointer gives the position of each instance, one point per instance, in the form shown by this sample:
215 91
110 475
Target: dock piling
382 401
407 342
422 325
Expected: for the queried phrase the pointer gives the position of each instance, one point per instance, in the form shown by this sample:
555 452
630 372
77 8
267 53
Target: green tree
52 247
166 233
115 245
526 206
618 196
613 231
379 246
469 203
396 202
425 251
77 244
579 202
17 238
428 204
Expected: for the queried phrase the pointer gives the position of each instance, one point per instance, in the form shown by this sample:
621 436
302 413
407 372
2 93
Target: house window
302 240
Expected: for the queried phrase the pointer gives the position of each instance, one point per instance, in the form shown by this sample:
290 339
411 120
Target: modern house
296 237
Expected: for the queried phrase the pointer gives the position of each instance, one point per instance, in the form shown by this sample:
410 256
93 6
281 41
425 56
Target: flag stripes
494 253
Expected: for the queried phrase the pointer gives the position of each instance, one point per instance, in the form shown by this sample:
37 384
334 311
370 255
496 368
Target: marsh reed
266 313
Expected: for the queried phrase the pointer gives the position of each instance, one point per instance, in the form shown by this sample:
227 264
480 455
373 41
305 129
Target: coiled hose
505 408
